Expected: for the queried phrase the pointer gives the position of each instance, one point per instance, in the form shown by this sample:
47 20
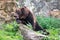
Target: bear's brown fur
25 16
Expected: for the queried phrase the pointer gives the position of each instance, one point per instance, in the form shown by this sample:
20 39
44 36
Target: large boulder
6 9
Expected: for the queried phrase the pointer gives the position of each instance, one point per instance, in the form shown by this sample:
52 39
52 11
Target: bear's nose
16 16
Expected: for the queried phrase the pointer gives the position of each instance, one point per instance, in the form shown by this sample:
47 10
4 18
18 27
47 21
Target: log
29 34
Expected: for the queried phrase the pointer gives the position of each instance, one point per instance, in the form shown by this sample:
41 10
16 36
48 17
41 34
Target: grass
52 25
48 22
10 32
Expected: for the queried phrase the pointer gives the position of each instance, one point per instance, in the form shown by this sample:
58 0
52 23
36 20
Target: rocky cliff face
6 9
41 7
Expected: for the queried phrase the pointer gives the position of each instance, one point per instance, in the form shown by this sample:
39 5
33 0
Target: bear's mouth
16 17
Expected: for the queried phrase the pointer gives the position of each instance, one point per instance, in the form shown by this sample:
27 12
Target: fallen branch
29 34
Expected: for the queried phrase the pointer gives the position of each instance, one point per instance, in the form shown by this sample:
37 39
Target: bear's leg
23 21
35 25
38 27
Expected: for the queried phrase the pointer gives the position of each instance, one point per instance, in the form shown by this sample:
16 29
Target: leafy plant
52 25
10 32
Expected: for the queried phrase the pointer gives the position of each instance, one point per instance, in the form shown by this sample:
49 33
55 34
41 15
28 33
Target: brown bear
25 16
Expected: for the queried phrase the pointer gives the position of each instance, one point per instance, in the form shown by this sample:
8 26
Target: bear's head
22 13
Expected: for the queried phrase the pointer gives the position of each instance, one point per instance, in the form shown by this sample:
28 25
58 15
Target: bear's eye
22 11
17 11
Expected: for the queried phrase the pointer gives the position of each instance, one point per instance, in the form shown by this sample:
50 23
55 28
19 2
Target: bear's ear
24 6
18 11
22 10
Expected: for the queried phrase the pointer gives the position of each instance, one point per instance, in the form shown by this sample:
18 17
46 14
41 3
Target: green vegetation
10 32
52 25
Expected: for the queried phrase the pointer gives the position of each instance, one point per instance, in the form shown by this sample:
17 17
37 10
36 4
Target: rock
6 9
41 7
55 13
29 34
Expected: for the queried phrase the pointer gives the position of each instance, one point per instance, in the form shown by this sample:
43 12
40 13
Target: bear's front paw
45 32
18 21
